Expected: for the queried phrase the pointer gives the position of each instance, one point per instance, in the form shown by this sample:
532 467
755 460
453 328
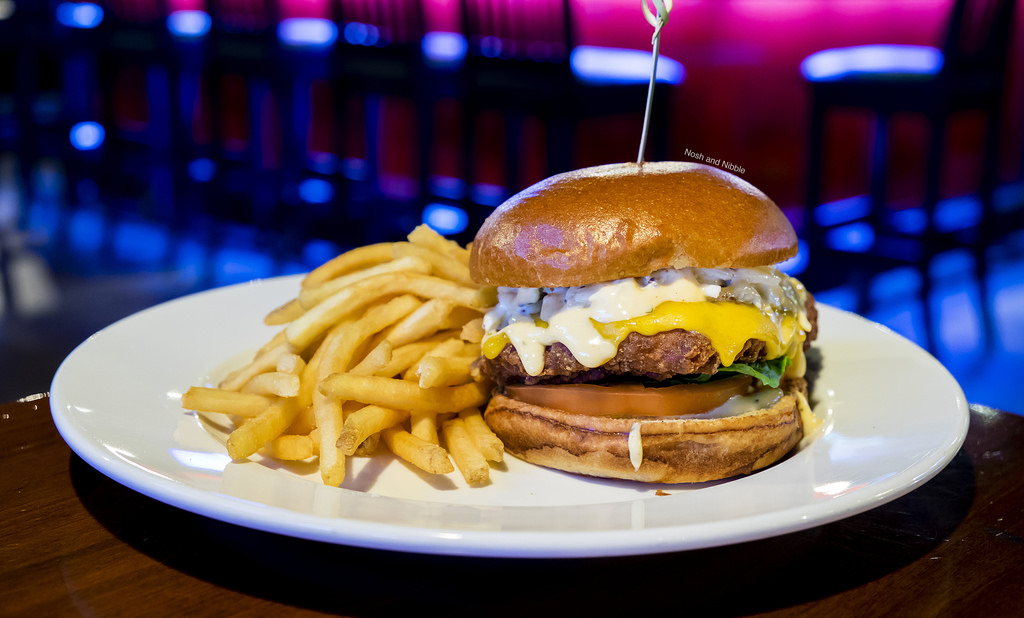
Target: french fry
341 347
204 399
266 361
468 459
443 264
329 423
290 363
448 347
423 322
423 425
311 296
279 338
337 352
303 331
291 447
473 331
402 358
364 423
444 371
305 420
459 316
273 383
424 236
368 447
405 395
426 456
355 259
285 313
375 360
310 374
261 429
489 444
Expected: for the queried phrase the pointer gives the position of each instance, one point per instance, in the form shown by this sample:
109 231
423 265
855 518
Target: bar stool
387 94
966 73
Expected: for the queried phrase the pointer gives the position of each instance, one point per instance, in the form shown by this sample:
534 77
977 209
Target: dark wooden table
74 542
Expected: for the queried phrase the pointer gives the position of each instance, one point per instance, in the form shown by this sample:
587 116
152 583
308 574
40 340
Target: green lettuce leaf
768 372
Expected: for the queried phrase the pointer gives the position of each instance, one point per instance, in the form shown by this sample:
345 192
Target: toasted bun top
629 220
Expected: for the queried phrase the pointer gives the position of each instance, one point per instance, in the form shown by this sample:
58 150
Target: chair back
978 36
526 29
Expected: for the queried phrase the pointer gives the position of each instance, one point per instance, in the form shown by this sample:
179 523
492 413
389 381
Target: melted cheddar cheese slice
727 325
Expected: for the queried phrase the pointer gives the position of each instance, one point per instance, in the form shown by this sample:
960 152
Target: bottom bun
675 449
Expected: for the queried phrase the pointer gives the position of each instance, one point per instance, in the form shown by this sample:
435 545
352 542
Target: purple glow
188 24
836 63
307 32
607 65
444 49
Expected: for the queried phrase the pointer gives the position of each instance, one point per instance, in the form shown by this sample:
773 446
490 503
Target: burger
643 330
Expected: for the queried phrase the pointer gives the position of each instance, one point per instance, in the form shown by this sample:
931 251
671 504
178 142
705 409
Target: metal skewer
657 18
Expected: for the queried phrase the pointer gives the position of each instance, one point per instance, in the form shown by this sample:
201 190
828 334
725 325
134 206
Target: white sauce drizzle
636 446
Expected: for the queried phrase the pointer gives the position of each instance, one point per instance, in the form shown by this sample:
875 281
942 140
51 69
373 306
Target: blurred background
154 148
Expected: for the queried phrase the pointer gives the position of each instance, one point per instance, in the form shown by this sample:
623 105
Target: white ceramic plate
893 418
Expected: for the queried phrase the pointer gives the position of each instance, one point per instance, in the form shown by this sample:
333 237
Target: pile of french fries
378 346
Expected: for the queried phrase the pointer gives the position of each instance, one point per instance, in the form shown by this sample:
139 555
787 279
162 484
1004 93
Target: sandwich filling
749 316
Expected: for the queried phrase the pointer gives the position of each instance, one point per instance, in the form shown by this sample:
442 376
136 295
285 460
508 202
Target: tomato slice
632 399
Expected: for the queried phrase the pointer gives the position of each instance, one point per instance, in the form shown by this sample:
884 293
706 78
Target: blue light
836 63
842 211
853 237
237 264
488 194
202 169
843 297
448 187
950 264
189 24
86 231
307 32
608 65
444 49
490 46
87 135
445 219
959 325
357 33
354 168
79 14
958 213
316 191
317 251
909 220
140 242
896 283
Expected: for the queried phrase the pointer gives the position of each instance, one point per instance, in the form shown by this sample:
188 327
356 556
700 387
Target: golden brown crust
675 449
628 220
